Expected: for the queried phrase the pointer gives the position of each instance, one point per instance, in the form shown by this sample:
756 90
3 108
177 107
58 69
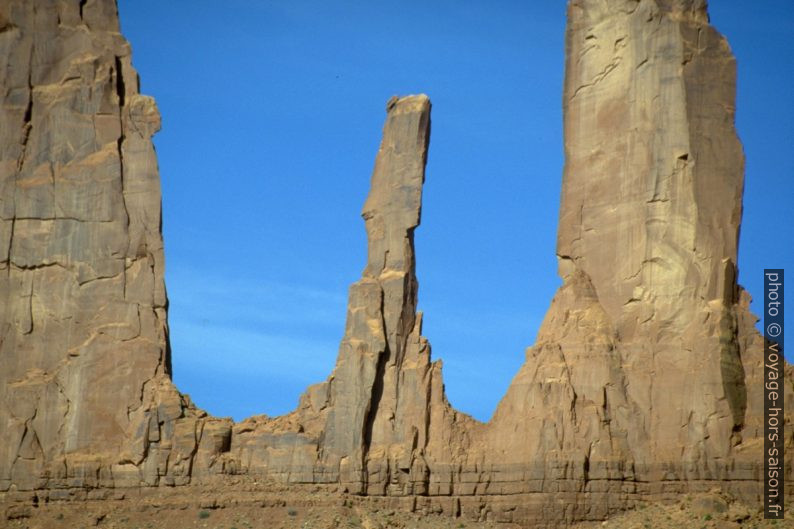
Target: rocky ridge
644 383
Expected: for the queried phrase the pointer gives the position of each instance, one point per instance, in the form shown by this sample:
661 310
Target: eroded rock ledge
645 381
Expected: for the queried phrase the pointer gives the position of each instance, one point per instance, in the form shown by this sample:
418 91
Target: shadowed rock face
645 380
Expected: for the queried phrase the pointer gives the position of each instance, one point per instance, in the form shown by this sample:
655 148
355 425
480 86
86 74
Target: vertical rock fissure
377 389
27 124
120 88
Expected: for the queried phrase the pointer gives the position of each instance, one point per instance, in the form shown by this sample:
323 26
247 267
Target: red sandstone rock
645 381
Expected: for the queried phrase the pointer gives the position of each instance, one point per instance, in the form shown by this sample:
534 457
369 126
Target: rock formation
83 321
85 372
645 381
647 357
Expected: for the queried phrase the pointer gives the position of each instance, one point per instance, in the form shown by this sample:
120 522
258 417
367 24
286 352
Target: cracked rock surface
645 382
85 386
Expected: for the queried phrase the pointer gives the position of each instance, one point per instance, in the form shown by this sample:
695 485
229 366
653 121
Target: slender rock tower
645 381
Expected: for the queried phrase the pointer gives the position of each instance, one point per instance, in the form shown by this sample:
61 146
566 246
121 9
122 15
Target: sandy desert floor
261 506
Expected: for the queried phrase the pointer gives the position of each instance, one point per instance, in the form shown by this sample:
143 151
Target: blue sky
272 113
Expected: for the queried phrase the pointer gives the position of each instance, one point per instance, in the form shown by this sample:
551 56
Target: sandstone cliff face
645 380
645 361
83 332
83 311
640 345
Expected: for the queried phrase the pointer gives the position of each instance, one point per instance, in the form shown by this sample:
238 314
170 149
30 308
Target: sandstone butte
645 381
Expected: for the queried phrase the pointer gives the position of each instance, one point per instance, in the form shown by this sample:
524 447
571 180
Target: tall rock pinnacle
641 338
382 330
650 214
645 381
376 424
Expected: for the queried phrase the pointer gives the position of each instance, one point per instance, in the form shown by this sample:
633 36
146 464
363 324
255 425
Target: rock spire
645 381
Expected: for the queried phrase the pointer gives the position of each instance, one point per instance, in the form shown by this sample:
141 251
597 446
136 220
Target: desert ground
260 505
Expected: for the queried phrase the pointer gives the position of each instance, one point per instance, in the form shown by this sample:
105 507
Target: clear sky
272 113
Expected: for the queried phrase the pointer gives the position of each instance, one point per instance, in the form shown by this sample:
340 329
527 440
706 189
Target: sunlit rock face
640 342
368 427
650 216
646 366
83 301
645 381
86 397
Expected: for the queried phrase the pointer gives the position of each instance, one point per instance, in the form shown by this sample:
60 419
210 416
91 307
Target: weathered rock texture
86 397
646 373
645 381
382 412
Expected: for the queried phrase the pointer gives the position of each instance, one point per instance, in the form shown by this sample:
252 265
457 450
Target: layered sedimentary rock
645 380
